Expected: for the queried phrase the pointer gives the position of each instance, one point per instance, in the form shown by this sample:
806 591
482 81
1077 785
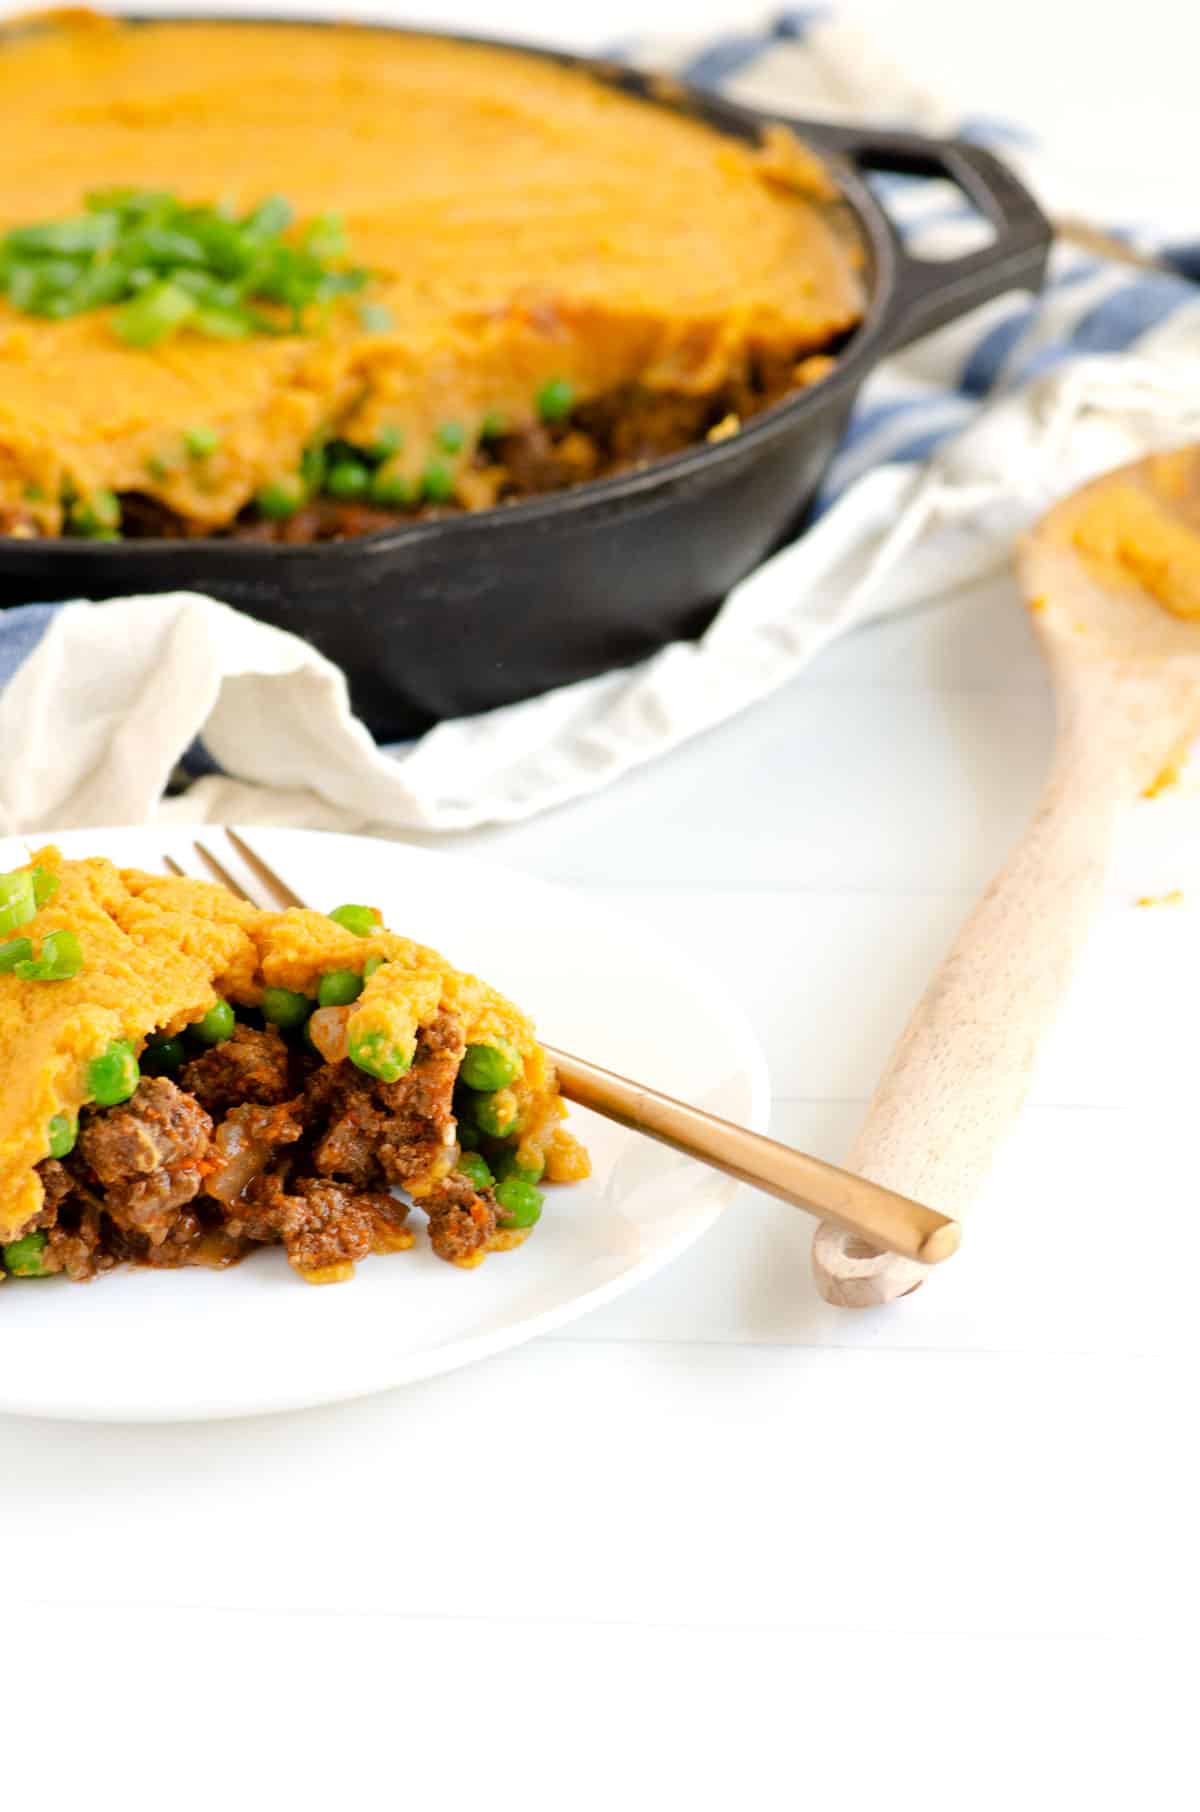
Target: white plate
161 1346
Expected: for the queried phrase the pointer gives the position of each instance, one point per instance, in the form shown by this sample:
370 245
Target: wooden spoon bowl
1111 576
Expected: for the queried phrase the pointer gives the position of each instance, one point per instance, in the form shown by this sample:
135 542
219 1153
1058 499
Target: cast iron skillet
441 618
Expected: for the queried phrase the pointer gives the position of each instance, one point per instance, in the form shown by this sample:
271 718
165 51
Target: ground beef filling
619 432
260 1143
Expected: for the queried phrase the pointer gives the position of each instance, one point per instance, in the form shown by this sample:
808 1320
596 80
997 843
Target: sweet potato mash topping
529 233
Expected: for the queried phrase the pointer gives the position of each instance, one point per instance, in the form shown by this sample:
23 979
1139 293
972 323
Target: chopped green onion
201 441
363 921
18 950
155 314
18 899
376 317
451 437
45 885
61 958
325 237
167 264
556 399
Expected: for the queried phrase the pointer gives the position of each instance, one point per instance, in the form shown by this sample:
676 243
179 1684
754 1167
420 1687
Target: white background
720 1544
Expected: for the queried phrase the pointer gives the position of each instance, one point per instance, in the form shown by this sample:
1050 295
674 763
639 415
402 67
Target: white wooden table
718 1543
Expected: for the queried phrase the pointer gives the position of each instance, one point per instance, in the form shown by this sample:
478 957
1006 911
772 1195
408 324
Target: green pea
451 437
348 480
375 1054
113 1076
157 467
493 426
63 1132
469 1136
388 441
393 491
200 442
487 1067
372 965
164 1056
363 921
97 516
285 1008
339 988
556 399
506 1166
280 499
437 482
473 1166
497 1115
520 1204
313 466
25 1257
217 1024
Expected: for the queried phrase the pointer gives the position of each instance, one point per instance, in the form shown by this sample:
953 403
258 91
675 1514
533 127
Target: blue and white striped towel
954 447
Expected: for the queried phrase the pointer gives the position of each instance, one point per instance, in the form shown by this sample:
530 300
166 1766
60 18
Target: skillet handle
927 293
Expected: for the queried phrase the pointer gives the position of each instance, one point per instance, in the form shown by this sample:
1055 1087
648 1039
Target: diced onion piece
244 1158
328 1029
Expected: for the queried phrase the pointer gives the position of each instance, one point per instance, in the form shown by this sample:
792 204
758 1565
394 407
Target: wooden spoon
1112 579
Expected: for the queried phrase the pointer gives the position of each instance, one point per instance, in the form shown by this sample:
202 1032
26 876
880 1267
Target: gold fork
886 1221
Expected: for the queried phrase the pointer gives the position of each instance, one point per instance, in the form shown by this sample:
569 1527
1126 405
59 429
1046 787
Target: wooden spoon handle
962 1069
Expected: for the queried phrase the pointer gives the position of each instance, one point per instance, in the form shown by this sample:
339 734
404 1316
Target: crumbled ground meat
250 1066
150 1155
321 1223
461 1222
303 1154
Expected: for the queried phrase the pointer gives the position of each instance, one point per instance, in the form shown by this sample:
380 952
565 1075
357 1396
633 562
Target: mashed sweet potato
523 224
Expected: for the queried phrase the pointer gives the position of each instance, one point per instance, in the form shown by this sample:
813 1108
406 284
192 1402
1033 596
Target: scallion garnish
61 957
170 265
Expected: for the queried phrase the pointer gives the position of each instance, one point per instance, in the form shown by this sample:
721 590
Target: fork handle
869 1210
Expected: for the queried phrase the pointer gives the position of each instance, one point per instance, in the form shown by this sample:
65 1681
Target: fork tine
218 872
263 872
172 866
